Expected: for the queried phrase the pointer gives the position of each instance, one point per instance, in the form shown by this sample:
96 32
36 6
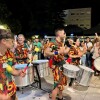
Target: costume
74 51
21 53
73 61
7 85
60 80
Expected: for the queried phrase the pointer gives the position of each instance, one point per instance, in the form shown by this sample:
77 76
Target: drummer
74 54
56 51
21 50
7 85
95 53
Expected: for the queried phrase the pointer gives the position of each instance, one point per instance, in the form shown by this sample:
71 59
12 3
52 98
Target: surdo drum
84 75
71 71
29 77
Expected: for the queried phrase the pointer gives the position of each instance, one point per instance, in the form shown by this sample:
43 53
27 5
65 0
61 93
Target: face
70 41
88 39
36 40
98 43
82 44
9 43
62 34
29 42
21 39
77 42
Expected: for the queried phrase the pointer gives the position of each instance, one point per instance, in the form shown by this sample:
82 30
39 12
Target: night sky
23 7
14 5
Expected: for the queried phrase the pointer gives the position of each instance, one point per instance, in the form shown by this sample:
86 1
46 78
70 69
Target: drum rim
73 66
90 70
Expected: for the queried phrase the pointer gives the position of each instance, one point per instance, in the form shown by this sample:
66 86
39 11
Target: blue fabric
20 66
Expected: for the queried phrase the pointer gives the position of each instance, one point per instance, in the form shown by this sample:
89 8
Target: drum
71 70
84 75
42 66
29 77
97 63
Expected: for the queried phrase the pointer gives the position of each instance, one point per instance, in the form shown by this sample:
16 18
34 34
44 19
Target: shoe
60 99
70 89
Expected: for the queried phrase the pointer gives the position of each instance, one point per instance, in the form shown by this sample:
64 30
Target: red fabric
69 60
50 63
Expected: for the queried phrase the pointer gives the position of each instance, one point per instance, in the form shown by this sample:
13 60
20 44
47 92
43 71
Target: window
72 13
81 24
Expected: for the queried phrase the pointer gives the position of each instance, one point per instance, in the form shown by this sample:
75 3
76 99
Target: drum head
20 66
71 67
86 68
97 63
40 61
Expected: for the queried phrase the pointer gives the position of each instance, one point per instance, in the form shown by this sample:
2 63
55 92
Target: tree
6 17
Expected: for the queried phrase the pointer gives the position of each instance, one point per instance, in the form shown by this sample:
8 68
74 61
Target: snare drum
97 63
71 70
84 75
29 77
42 66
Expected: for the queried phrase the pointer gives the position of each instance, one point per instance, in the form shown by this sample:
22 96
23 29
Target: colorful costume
6 83
60 80
74 51
21 53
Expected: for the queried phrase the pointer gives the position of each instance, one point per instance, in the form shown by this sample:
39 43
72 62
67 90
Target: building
80 17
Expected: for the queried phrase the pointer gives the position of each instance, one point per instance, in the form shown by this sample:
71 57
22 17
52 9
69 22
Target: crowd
62 51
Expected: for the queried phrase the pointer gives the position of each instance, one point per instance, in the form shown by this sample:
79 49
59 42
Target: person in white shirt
96 54
89 54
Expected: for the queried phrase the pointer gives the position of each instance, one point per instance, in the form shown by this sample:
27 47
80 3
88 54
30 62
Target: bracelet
56 52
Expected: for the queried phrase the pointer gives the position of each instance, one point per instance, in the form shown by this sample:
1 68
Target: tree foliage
41 15
6 18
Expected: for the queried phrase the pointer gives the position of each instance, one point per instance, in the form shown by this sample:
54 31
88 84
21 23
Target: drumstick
6 91
26 67
96 34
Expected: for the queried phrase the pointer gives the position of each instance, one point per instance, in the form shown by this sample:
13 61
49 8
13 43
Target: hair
58 29
96 40
21 35
67 43
5 34
75 39
87 37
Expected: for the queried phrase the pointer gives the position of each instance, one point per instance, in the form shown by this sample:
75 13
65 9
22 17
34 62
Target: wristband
56 52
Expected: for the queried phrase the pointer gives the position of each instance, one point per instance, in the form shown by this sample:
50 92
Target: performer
21 50
95 53
56 51
7 85
74 54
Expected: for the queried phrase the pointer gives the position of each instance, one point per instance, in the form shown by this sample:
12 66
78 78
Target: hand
70 56
4 97
15 44
22 73
96 34
61 50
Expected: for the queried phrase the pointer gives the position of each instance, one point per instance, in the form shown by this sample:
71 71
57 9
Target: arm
15 72
4 97
66 50
76 55
48 52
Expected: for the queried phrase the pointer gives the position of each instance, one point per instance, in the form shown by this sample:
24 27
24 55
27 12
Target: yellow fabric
36 49
9 68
